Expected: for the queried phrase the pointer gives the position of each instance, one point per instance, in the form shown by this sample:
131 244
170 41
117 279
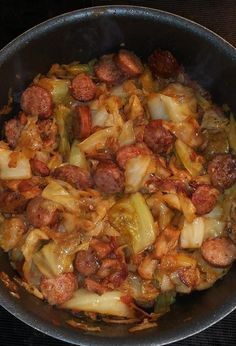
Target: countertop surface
18 16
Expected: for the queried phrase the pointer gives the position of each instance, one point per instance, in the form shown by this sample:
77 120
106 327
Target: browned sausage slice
219 252
12 202
13 130
204 199
129 152
107 71
163 64
83 88
60 289
157 138
108 178
76 176
39 168
129 63
82 123
42 212
37 101
86 263
222 171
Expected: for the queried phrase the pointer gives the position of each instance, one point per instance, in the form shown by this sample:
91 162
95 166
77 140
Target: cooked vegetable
52 260
163 302
62 115
98 140
190 159
59 88
14 165
59 194
134 220
108 303
192 234
127 135
135 171
77 157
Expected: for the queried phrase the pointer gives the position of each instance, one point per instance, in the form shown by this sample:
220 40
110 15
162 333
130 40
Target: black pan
85 34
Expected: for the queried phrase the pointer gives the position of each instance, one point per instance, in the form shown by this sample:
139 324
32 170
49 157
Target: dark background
18 16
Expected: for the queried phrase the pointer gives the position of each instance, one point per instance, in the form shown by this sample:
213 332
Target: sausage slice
204 199
60 289
39 168
42 212
74 175
107 70
82 123
219 252
86 263
83 88
222 171
163 64
37 101
13 130
129 152
108 178
129 63
157 138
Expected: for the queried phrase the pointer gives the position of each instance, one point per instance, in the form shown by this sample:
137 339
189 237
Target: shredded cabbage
77 157
98 140
191 161
135 172
59 88
192 234
127 135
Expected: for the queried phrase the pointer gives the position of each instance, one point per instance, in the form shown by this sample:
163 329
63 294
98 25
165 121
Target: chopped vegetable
127 135
97 140
59 88
192 233
77 157
134 220
164 301
14 165
190 159
135 171
62 115
108 303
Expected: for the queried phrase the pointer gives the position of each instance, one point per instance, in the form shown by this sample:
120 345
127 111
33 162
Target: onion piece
14 165
108 303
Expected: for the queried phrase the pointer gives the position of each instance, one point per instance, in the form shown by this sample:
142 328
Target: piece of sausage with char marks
42 212
107 70
108 178
219 252
204 199
12 202
13 130
163 64
37 101
39 168
74 175
129 63
82 123
83 88
222 171
157 138
60 289
86 263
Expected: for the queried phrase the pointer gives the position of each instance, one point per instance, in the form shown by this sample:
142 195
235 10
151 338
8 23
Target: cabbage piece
59 88
217 143
135 172
108 303
53 260
147 81
59 194
232 132
165 216
76 67
190 159
187 207
31 245
192 234
133 219
30 138
98 140
164 301
176 102
77 157
213 120
127 135
62 116
134 109
14 165
99 116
